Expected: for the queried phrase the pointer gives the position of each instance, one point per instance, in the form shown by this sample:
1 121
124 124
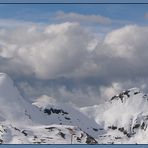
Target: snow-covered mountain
44 121
123 119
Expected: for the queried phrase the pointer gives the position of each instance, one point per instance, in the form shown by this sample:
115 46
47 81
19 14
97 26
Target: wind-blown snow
44 121
123 119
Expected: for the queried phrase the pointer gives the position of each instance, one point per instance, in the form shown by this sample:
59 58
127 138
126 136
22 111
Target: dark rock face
1 141
112 127
136 126
121 129
24 132
56 111
95 129
50 128
143 126
123 95
62 135
131 132
67 118
90 140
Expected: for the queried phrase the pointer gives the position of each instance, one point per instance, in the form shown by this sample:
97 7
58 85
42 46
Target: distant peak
126 94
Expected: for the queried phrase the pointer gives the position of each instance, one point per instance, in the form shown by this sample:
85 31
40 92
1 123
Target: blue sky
28 12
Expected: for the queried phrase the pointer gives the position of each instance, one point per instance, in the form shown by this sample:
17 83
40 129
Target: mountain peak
125 117
129 93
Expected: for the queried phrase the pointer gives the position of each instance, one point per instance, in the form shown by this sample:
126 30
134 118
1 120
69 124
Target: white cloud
106 92
79 95
76 96
71 50
126 42
76 17
47 52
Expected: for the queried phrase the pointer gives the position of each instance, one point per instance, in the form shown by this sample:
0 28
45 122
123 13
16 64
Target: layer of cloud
81 18
79 95
69 50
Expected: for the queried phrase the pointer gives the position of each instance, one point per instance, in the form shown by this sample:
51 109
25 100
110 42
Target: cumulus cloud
70 50
76 17
127 42
47 52
123 54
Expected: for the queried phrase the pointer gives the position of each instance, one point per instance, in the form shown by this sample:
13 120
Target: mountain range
121 119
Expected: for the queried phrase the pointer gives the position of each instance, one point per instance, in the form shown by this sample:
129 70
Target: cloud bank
53 51
100 67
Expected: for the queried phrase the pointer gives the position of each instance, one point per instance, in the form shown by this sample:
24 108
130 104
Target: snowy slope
125 116
64 114
52 134
22 122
